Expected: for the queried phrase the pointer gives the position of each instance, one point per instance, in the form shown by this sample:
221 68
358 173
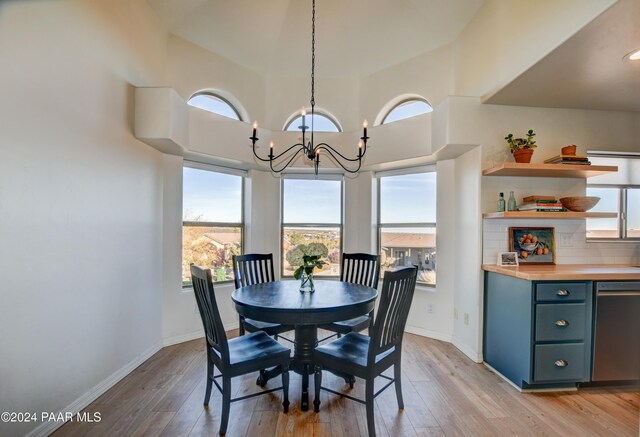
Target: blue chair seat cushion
256 346
351 348
252 325
352 325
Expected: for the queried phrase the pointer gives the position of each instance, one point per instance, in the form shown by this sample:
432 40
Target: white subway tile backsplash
571 244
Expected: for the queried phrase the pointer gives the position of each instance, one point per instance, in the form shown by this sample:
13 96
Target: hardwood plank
153 424
444 393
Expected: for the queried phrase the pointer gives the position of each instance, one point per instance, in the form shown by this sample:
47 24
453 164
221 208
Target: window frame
228 171
401 172
283 225
622 199
219 97
402 102
622 213
317 112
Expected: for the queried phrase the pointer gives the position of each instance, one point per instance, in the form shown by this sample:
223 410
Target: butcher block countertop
565 272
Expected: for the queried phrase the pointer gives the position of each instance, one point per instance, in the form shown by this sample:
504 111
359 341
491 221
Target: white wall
80 202
429 75
191 68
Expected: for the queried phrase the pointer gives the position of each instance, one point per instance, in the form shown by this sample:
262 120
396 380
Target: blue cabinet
538 333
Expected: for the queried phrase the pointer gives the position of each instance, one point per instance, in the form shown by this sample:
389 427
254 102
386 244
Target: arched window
407 108
214 103
321 123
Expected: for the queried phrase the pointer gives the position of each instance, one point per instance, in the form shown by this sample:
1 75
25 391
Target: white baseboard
175 339
76 406
170 341
475 356
428 333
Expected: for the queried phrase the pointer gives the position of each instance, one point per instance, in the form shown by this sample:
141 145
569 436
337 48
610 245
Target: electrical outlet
455 313
431 308
566 239
466 318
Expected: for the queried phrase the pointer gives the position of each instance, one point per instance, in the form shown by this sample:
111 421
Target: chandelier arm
327 147
275 158
256 155
295 155
330 151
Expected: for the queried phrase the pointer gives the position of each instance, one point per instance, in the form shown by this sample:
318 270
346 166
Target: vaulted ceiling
353 38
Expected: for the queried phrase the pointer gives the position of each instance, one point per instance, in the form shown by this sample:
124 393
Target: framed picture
507 259
533 245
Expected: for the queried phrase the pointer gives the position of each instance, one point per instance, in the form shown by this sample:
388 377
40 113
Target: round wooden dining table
282 302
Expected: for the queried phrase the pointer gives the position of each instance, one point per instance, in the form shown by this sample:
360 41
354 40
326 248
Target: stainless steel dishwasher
616 349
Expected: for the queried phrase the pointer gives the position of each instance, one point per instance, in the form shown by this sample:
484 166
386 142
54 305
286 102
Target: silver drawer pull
562 323
561 363
563 292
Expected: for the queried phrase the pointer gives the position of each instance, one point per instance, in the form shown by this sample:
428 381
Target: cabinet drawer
558 322
561 291
559 362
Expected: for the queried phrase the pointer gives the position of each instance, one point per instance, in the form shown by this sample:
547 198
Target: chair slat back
393 310
208 307
360 268
252 268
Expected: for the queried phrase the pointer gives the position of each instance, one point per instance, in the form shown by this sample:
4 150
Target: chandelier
311 150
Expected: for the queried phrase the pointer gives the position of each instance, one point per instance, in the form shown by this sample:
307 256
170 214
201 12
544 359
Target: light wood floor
445 394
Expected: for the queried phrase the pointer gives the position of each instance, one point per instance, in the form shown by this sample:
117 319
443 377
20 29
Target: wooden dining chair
235 357
357 268
250 269
368 356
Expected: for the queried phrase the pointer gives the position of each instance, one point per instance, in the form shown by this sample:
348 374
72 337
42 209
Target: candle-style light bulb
255 125
365 124
271 146
303 112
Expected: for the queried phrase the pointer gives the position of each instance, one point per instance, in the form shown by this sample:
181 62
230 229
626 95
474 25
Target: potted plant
522 148
305 271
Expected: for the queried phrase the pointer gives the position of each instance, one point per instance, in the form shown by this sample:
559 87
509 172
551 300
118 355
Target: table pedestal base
306 340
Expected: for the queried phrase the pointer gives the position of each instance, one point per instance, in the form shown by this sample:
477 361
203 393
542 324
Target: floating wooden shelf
550 215
549 170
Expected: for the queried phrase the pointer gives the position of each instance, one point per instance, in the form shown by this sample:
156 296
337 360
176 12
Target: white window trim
430 168
305 176
242 225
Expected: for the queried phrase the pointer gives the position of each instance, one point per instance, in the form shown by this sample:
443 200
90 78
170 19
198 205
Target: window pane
408 198
407 110
633 213
321 123
403 247
210 247
312 201
211 197
211 103
609 202
311 241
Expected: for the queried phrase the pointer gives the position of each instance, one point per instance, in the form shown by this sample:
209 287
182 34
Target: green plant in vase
522 148
305 271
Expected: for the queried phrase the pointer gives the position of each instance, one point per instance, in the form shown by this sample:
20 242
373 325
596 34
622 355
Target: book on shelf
564 159
538 197
534 207
542 202
558 158
541 209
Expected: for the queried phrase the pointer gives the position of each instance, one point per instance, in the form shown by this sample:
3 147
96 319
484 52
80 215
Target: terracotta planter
569 150
523 155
